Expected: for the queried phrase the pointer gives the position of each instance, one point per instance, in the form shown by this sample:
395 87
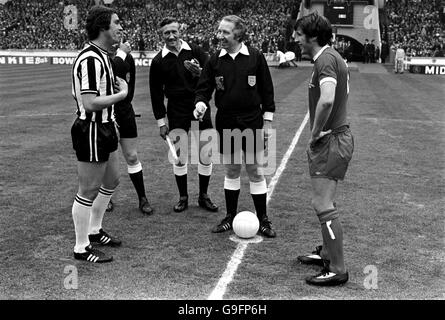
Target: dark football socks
181 179
137 177
258 190
333 237
231 192
204 173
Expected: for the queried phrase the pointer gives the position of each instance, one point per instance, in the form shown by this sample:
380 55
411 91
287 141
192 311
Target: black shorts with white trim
92 141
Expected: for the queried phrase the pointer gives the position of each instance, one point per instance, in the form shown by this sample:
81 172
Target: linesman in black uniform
244 98
174 74
124 67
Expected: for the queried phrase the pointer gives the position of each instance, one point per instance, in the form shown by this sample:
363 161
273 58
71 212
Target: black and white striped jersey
93 73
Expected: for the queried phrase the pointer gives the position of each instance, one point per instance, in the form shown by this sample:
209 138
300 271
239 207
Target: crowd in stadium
416 26
31 24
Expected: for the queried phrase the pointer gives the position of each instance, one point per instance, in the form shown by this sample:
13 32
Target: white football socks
98 209
81 212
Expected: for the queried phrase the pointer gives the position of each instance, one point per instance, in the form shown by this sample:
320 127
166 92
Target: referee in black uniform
244 98
124 67
174 74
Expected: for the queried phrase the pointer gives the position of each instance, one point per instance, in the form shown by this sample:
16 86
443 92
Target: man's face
115 32
170 34
305 45
226 36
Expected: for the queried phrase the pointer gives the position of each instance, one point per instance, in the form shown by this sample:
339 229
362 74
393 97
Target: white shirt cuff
268 116
328 79
161 122
121 54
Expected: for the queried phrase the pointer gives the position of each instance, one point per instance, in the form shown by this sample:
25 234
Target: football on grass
246 224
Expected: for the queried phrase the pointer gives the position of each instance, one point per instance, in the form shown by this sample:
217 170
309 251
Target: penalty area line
237 256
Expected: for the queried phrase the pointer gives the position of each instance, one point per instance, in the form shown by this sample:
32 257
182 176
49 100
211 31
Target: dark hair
240 26
99 18
314 25
167 20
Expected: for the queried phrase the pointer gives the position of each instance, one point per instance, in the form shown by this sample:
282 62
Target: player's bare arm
323 110
92 102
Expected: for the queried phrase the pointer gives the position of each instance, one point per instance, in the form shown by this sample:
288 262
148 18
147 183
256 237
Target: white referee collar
320 52
184 46
243 50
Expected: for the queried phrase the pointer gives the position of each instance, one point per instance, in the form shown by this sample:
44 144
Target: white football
289 56
246 224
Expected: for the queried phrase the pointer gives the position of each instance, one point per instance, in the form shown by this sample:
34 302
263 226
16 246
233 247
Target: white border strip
227 276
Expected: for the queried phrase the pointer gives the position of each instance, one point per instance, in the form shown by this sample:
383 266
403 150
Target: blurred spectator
400 56
348 51
366 49
141 44
385 51
371 51
377 54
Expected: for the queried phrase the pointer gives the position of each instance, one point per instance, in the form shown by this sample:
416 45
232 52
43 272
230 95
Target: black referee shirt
243 85
170 79
125 69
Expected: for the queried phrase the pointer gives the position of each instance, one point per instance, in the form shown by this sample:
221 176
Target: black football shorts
92 141
126 122
250 126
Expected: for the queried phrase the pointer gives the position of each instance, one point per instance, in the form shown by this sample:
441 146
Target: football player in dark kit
174 73
244 98
124 67
331 144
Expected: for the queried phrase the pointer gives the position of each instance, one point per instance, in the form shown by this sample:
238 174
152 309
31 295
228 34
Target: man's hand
121 87
268 131
125 47
163 131
314 139
200 110
193 67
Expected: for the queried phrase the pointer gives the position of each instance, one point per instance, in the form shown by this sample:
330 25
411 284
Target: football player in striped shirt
94 134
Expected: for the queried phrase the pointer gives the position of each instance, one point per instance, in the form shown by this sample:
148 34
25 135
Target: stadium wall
36 57
31 57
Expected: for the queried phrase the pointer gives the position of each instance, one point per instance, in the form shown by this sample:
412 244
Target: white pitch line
286 157
227 276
